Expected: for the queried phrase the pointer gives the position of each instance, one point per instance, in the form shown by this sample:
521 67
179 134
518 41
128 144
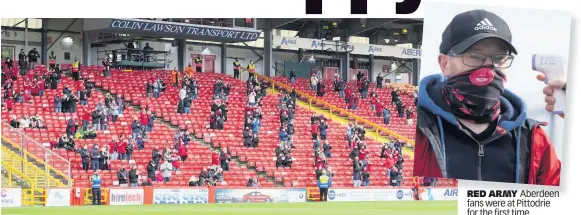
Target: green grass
335 208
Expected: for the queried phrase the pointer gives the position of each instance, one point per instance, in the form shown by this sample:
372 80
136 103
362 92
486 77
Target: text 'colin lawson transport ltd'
508 202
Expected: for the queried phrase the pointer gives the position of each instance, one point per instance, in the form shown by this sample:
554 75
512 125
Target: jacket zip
480 153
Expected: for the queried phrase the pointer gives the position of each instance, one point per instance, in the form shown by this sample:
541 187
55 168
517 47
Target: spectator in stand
280 161
255 140
365 176
122 148
323 129
130 148
193 182
314 81
71 126
122 177
293 76
378 109
314 130
151 166
225 159
133 177
175 161
33 56
96 119
84 152
157 87
386 115
95 155
86 118
394 177
14 122
156 156
327 149
143 120
353 101
113 149
364 88
288 161
247 137
357 168
104 159
149 89
83 97
135 127
183 152
215 158
410 116
320 88
341 88
166 168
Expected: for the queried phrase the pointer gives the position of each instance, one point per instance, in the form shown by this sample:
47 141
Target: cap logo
482 77
485 24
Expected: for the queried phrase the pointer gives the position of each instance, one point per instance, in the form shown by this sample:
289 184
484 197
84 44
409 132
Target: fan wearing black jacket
133 177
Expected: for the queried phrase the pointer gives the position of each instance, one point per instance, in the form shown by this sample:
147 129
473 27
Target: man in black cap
469 126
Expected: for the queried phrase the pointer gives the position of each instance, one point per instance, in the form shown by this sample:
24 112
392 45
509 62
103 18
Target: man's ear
444 62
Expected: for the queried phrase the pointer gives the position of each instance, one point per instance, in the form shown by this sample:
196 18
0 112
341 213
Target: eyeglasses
477 59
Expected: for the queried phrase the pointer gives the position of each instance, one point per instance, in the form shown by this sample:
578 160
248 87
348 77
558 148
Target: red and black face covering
475 94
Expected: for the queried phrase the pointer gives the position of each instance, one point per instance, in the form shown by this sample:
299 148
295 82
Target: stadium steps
32 194
33 159
42 179
193 137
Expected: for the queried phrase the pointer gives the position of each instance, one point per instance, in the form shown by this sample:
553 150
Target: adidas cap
469 27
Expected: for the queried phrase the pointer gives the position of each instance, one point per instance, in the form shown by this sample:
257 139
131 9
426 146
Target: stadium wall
11 197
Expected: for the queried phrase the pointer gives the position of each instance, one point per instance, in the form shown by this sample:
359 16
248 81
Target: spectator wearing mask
123 177
95 155
133 177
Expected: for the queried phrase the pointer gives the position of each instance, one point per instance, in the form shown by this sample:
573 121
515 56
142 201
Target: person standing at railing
293 76
76 69
96 188
198 61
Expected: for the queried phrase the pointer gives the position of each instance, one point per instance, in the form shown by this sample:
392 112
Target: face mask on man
475 94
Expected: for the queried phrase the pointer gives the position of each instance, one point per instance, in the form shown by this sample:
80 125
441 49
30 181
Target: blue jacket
283 135
96 181
255 126
324 181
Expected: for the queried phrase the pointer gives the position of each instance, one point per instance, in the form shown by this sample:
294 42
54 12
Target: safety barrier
16 196
28 169
18 139
332 108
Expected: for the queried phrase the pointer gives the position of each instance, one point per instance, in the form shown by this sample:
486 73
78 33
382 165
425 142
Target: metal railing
32 151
